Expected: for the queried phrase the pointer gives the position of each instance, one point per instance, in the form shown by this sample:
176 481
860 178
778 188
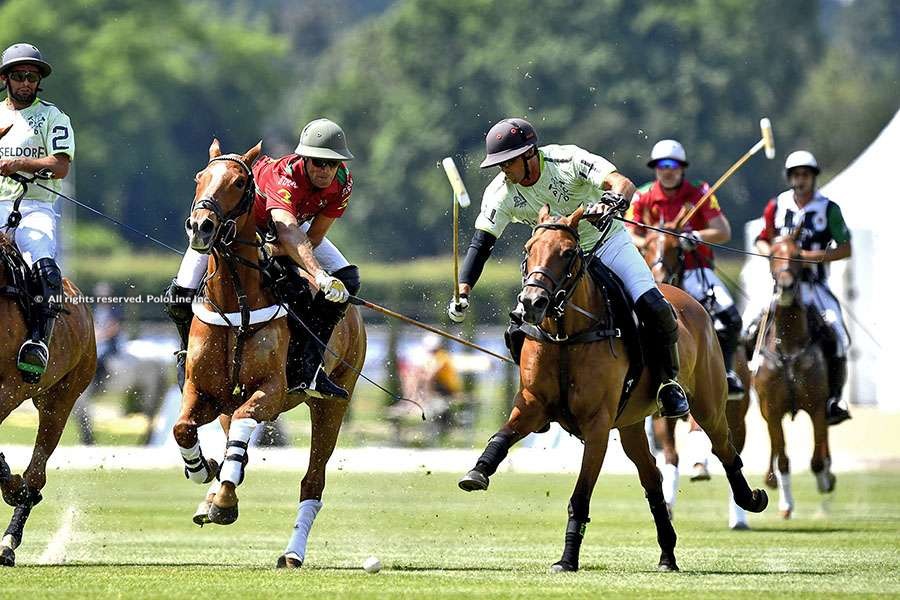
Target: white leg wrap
823 477
670 483
737 516
698 448
306 514
194 463
192 268
214 487
785 494
9 541
236 450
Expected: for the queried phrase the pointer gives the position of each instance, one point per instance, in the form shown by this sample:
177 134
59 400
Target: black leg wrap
494 453
177 305
665 533
751 500
575 530
17 523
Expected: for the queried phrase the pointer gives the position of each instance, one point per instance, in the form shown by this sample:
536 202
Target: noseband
228 221
561 290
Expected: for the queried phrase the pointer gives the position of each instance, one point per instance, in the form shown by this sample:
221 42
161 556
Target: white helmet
801 158
671 149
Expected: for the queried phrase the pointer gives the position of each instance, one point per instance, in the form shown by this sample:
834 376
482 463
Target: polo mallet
767 141
460 199
756 360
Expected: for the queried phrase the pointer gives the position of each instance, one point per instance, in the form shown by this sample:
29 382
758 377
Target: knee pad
731 320
177 303
349 276
46 272
515 339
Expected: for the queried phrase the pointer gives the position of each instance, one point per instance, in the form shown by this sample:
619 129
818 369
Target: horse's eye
240 182
569 253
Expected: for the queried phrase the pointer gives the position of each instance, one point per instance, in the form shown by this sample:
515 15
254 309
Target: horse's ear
544 213
214 149
575 217
252 154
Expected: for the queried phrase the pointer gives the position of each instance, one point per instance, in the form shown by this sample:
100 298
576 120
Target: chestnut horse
665 258
236 365
576 379
73 360
792 376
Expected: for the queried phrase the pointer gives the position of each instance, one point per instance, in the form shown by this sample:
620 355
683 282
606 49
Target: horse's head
223 199
785 269
553 264
662 255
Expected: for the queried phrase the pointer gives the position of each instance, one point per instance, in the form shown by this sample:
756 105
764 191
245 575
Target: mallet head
459 188
765 125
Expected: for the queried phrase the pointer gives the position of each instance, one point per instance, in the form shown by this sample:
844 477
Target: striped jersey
38 131
570 177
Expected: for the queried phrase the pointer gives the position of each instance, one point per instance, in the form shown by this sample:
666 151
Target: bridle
559 290
227 228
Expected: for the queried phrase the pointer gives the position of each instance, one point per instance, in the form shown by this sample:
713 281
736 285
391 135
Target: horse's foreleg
596 440
634 442
821 458
194 413
528 415
781 466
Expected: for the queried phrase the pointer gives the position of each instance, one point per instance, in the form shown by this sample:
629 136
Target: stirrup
678 405
32 360
735 386
320 386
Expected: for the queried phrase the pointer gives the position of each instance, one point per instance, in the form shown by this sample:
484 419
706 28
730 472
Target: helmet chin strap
525 159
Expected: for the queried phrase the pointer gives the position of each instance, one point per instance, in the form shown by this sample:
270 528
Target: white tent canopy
865 284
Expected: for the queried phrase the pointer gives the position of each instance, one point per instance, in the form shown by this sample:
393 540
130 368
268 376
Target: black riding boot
837 377
729 337
46 296
306 372
306 364
658 321
177 304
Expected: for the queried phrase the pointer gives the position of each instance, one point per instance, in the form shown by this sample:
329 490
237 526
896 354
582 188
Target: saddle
19 279
622 323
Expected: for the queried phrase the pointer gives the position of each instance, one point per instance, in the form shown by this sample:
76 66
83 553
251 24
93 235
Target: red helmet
508 139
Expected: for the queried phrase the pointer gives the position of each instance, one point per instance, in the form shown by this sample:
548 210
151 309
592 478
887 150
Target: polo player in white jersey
564 178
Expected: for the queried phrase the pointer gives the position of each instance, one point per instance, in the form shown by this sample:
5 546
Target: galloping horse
792 376
665 258
236 362
73 360
574 375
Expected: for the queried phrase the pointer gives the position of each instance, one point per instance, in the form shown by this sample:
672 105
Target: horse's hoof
786 513
563 567
7 557
289 561
212 469
700 473
474 481
222 515
828 486
201 517
667 563
740 526
757 502
771 482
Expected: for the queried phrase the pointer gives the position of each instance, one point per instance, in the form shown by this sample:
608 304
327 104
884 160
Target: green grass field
132 537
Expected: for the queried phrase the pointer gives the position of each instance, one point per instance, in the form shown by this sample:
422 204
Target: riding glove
689 241
457 310
333 288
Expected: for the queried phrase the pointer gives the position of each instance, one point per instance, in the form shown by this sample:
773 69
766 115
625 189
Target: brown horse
237 367
665 259
792 376
578 381
73 360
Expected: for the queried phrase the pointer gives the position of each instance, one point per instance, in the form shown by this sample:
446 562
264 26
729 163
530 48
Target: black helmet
508 139
24 54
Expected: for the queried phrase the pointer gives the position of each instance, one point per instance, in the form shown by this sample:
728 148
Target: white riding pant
35 236
194 265
696 282
818 296
622 257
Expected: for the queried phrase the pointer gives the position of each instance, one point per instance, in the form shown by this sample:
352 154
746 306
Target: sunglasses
324 163
668 164
29 76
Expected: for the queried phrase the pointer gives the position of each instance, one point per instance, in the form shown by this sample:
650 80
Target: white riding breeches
622 257
697 282
818 296
36 234
194 264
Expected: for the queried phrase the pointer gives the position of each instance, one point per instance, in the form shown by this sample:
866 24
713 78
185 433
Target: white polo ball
372 565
